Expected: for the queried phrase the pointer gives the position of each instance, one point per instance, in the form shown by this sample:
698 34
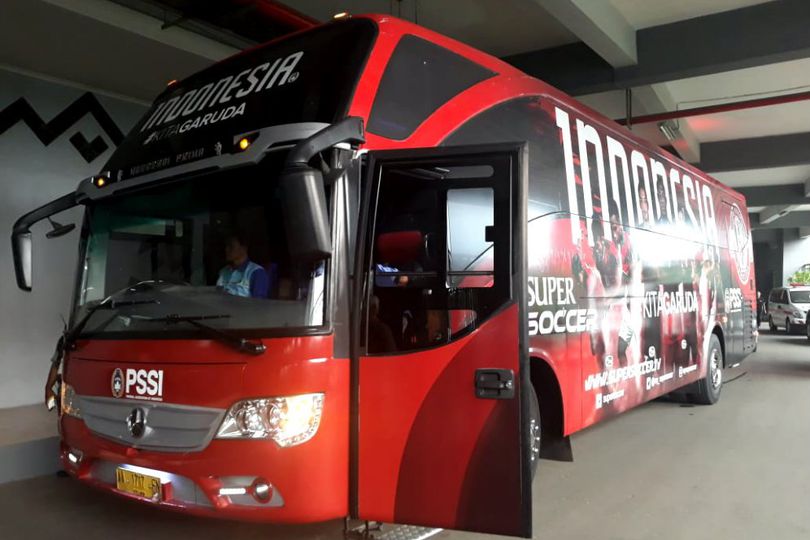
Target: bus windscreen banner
308 77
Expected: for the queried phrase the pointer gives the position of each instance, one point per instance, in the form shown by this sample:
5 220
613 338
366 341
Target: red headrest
399 247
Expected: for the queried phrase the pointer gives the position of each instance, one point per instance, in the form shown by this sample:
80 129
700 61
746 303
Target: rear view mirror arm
349 130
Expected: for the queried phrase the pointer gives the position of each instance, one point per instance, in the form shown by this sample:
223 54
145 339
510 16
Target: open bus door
440 417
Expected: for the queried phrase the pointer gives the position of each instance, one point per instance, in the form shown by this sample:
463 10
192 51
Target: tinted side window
524 119
419 78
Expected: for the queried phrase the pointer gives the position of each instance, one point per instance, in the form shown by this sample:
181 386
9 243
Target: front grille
166 427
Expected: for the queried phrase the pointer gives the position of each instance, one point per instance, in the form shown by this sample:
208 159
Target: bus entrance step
378 531
406 532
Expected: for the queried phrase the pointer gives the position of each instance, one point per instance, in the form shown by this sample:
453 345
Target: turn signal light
99 181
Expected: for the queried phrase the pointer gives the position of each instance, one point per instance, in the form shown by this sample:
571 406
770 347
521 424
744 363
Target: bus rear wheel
708 388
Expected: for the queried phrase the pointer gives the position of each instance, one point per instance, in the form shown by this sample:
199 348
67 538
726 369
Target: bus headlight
69 401
287 420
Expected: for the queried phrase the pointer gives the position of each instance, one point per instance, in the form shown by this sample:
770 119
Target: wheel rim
534 437
716 372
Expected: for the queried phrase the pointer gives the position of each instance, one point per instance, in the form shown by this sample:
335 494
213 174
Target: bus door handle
494 384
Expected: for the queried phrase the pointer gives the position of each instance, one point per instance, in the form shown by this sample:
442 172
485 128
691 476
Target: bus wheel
534 429
771 325
708 388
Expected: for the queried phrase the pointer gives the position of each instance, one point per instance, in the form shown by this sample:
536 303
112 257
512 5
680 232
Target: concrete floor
739 469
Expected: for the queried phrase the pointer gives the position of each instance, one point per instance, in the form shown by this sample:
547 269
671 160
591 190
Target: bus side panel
663 256
628 271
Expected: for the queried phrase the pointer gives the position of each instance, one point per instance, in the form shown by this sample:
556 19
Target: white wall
796 253
32 174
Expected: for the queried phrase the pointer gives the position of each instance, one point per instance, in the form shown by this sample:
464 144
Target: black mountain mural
47 132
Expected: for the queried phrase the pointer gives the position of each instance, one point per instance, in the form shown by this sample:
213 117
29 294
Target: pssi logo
138 384
117 383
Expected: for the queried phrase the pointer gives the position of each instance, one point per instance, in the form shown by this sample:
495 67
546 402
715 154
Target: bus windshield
212 248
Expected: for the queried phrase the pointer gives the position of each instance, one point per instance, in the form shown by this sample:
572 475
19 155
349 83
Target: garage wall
796 253
51 136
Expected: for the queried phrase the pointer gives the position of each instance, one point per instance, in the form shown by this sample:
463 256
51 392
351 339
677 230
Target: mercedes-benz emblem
136 422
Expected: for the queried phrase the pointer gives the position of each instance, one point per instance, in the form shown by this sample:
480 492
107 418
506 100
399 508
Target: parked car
788 307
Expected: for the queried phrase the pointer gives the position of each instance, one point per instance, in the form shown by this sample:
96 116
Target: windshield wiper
242 345
77 328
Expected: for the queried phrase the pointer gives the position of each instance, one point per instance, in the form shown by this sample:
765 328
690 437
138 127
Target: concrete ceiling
100 45
499 27
646 13
673 55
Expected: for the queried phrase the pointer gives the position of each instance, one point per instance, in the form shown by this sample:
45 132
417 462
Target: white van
787 307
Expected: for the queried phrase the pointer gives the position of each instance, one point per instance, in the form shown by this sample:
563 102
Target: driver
241 276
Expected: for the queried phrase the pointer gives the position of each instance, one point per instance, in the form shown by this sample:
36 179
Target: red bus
365 270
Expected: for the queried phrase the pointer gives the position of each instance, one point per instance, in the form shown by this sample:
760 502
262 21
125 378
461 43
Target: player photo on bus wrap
653 313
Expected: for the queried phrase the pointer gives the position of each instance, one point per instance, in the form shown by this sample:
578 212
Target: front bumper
308 483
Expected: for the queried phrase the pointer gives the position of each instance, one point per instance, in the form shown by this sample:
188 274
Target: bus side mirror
21 247
306 218
21 243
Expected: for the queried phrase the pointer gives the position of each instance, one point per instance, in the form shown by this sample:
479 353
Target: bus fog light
287 420
261 490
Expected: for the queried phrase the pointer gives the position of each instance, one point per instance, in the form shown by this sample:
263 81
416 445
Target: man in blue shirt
241 276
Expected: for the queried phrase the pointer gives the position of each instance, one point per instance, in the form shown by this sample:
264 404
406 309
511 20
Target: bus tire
535 431
771 324
708 388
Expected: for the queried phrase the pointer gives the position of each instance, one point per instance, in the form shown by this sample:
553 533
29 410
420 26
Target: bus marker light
74 456
243 142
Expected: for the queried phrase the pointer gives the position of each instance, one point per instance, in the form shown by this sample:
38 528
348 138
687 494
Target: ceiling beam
599 25
742 38
770 236
791 221
755 153
774 195
774 213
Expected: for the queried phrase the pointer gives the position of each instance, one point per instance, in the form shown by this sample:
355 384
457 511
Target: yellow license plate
138 484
